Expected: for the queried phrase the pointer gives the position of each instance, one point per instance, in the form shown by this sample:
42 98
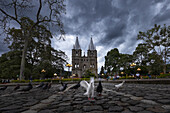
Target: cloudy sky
111 24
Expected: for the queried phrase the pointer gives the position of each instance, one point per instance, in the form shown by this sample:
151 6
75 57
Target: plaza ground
131 98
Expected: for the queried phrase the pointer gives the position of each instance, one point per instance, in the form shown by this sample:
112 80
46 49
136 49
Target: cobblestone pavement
132 98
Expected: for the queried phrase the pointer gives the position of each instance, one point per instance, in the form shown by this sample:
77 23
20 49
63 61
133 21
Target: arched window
76 53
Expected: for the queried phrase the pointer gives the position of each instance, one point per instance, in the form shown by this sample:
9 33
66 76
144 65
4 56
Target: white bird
119 85
89 88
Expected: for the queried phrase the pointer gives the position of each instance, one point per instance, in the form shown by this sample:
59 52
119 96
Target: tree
10 64
124 62
111 60
154 63
115 60
101 71
157 40
89 74
40 55
141 54
14 10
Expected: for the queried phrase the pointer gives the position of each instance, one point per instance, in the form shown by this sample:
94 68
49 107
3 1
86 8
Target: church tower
92 56
80 64
76 58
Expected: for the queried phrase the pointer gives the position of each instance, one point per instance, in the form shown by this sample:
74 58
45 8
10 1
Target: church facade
80 64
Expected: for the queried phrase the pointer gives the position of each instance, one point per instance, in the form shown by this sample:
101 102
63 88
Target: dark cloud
113 23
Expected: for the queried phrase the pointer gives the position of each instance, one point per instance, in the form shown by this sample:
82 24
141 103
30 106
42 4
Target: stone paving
132 98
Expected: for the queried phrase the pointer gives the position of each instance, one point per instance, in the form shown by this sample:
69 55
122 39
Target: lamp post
139 70
122 73
132 65
55 75
102 75
43 71
68 65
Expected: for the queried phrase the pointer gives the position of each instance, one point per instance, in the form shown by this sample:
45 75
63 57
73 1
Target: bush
164 75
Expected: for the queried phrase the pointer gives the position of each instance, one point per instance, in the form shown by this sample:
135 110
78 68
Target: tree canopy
27 16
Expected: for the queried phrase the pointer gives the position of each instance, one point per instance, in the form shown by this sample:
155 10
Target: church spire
77 45
91 45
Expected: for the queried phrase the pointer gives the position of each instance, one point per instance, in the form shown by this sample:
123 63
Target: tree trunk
164 68
24 53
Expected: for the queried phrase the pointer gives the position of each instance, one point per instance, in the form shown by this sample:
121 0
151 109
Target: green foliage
40 55
89 74
157 40
141 54
115 60
102 70
10 64
164 75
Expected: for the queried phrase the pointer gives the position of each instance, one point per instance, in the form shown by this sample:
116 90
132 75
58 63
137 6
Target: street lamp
138 69
102 75
132 65
43 71
55 75
122 73
68 65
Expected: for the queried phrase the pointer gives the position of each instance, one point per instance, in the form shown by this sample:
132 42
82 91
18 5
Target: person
149 76
117 76
138 76
31 79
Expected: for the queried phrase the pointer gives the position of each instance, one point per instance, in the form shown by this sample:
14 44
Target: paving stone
135 108
46 111
164 101
126 111
16 110
77 102
92 108
31 103
144 111
157 109
76 111
166 107
30 111
95 112
124 99
149 102
100 102
65 104
136 98
133 102
78 99
38 106
122 104
46 101
105 106
144 105
115 108
115 99
11 107
65 109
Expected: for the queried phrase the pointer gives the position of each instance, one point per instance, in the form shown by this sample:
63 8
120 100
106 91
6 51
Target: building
80 64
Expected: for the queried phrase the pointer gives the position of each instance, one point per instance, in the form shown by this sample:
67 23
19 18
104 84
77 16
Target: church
80 64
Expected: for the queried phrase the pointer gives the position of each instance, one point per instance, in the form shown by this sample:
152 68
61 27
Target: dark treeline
151 56
40 55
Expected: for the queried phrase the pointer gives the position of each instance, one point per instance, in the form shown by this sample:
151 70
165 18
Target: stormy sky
111 24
